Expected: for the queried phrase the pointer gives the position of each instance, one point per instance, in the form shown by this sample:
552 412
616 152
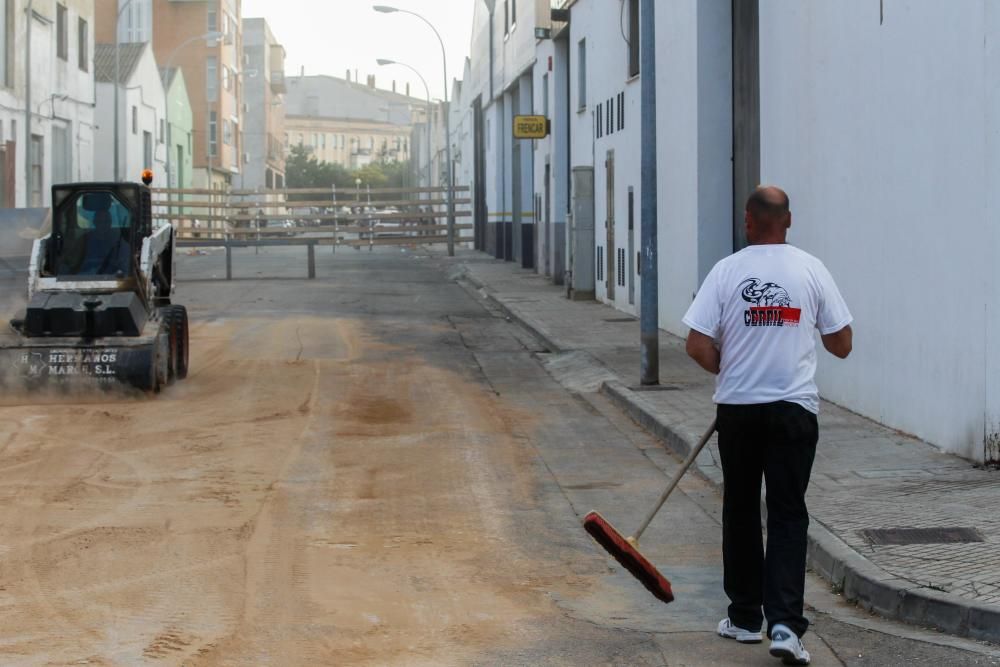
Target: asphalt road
372 468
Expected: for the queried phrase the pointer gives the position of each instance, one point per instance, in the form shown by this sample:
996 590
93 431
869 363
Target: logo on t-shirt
772 306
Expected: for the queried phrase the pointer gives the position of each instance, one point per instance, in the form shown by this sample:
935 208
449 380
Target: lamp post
29 13
384 9
166 72
383 62
118 41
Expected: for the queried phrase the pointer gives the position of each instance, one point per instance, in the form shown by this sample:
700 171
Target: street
375 467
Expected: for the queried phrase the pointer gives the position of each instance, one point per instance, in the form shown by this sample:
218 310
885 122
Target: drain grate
902 536
621 320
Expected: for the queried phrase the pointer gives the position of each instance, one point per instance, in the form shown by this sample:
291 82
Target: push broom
625 550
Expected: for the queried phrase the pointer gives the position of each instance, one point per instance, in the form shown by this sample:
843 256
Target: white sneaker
787 646
743 636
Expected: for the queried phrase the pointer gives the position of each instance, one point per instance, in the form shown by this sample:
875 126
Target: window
35 185
135 120
506 17
213 133
213 19
633 38
136 23
94 232
62 34
212 78
62 153
227 79
7 43
581 72
82 45
147 150
545 95
227 133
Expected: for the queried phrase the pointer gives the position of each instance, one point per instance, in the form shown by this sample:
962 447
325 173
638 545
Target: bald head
768 215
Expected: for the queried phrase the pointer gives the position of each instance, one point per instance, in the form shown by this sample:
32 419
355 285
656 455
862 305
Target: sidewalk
866 477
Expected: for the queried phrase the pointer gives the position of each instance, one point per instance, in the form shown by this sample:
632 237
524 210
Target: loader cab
97 231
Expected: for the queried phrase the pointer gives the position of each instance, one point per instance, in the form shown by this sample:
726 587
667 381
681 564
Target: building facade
348 123
264 166
180 130
142 140
213 70
46 100
894 109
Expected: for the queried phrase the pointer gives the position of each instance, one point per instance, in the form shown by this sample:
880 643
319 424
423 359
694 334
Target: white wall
61 94
694 141
885 135
144 91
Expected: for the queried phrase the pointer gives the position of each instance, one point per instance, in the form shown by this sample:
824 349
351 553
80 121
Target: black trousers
776 442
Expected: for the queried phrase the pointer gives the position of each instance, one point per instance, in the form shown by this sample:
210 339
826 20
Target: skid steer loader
99 296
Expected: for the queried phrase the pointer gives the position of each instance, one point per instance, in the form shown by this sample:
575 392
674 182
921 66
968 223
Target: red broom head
629 557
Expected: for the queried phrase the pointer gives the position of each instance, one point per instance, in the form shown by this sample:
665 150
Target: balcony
278 82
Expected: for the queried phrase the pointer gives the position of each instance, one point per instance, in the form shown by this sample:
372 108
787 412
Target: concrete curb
860 580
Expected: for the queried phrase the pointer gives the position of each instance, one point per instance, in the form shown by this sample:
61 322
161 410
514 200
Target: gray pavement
866 477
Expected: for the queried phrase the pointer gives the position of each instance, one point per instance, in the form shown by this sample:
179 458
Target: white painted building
501 86
59 136
889 145
882 123
142 120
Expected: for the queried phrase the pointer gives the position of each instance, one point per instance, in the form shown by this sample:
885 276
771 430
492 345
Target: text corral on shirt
772 316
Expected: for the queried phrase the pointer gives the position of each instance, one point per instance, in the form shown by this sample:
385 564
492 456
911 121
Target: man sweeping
752 324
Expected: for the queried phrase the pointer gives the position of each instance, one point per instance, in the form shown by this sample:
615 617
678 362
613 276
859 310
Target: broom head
628 555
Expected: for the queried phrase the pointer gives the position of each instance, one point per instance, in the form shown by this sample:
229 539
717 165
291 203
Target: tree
303 170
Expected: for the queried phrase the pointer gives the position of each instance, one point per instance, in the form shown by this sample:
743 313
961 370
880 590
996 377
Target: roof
104 61
330 97
167 75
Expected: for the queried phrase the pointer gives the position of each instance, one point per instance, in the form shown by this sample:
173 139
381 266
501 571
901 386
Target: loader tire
170 329
176 318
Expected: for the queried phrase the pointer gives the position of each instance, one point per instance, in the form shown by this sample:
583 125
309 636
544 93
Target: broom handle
676 480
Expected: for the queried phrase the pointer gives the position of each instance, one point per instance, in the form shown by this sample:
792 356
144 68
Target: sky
332 36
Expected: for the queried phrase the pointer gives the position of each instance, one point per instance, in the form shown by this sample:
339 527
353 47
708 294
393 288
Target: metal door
610 277
547 212
631 246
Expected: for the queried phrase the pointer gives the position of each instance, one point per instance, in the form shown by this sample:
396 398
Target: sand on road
310 495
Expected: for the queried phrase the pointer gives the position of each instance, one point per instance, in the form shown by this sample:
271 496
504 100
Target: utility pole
650 310
29 13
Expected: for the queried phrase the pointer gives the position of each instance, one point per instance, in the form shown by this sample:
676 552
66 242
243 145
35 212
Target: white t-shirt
761 306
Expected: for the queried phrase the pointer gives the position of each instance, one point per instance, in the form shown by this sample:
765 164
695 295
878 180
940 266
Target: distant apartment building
348 123
264 135
213 70
56 144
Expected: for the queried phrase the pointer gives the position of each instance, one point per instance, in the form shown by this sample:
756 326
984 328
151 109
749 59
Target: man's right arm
840 343
702 349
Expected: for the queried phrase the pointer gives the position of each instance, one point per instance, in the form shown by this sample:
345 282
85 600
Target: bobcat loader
99 296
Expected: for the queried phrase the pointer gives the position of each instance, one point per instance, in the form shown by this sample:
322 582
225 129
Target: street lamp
118 41
385 9
166 71
383 62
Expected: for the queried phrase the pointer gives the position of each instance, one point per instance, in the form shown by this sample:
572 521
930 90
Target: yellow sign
531 127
